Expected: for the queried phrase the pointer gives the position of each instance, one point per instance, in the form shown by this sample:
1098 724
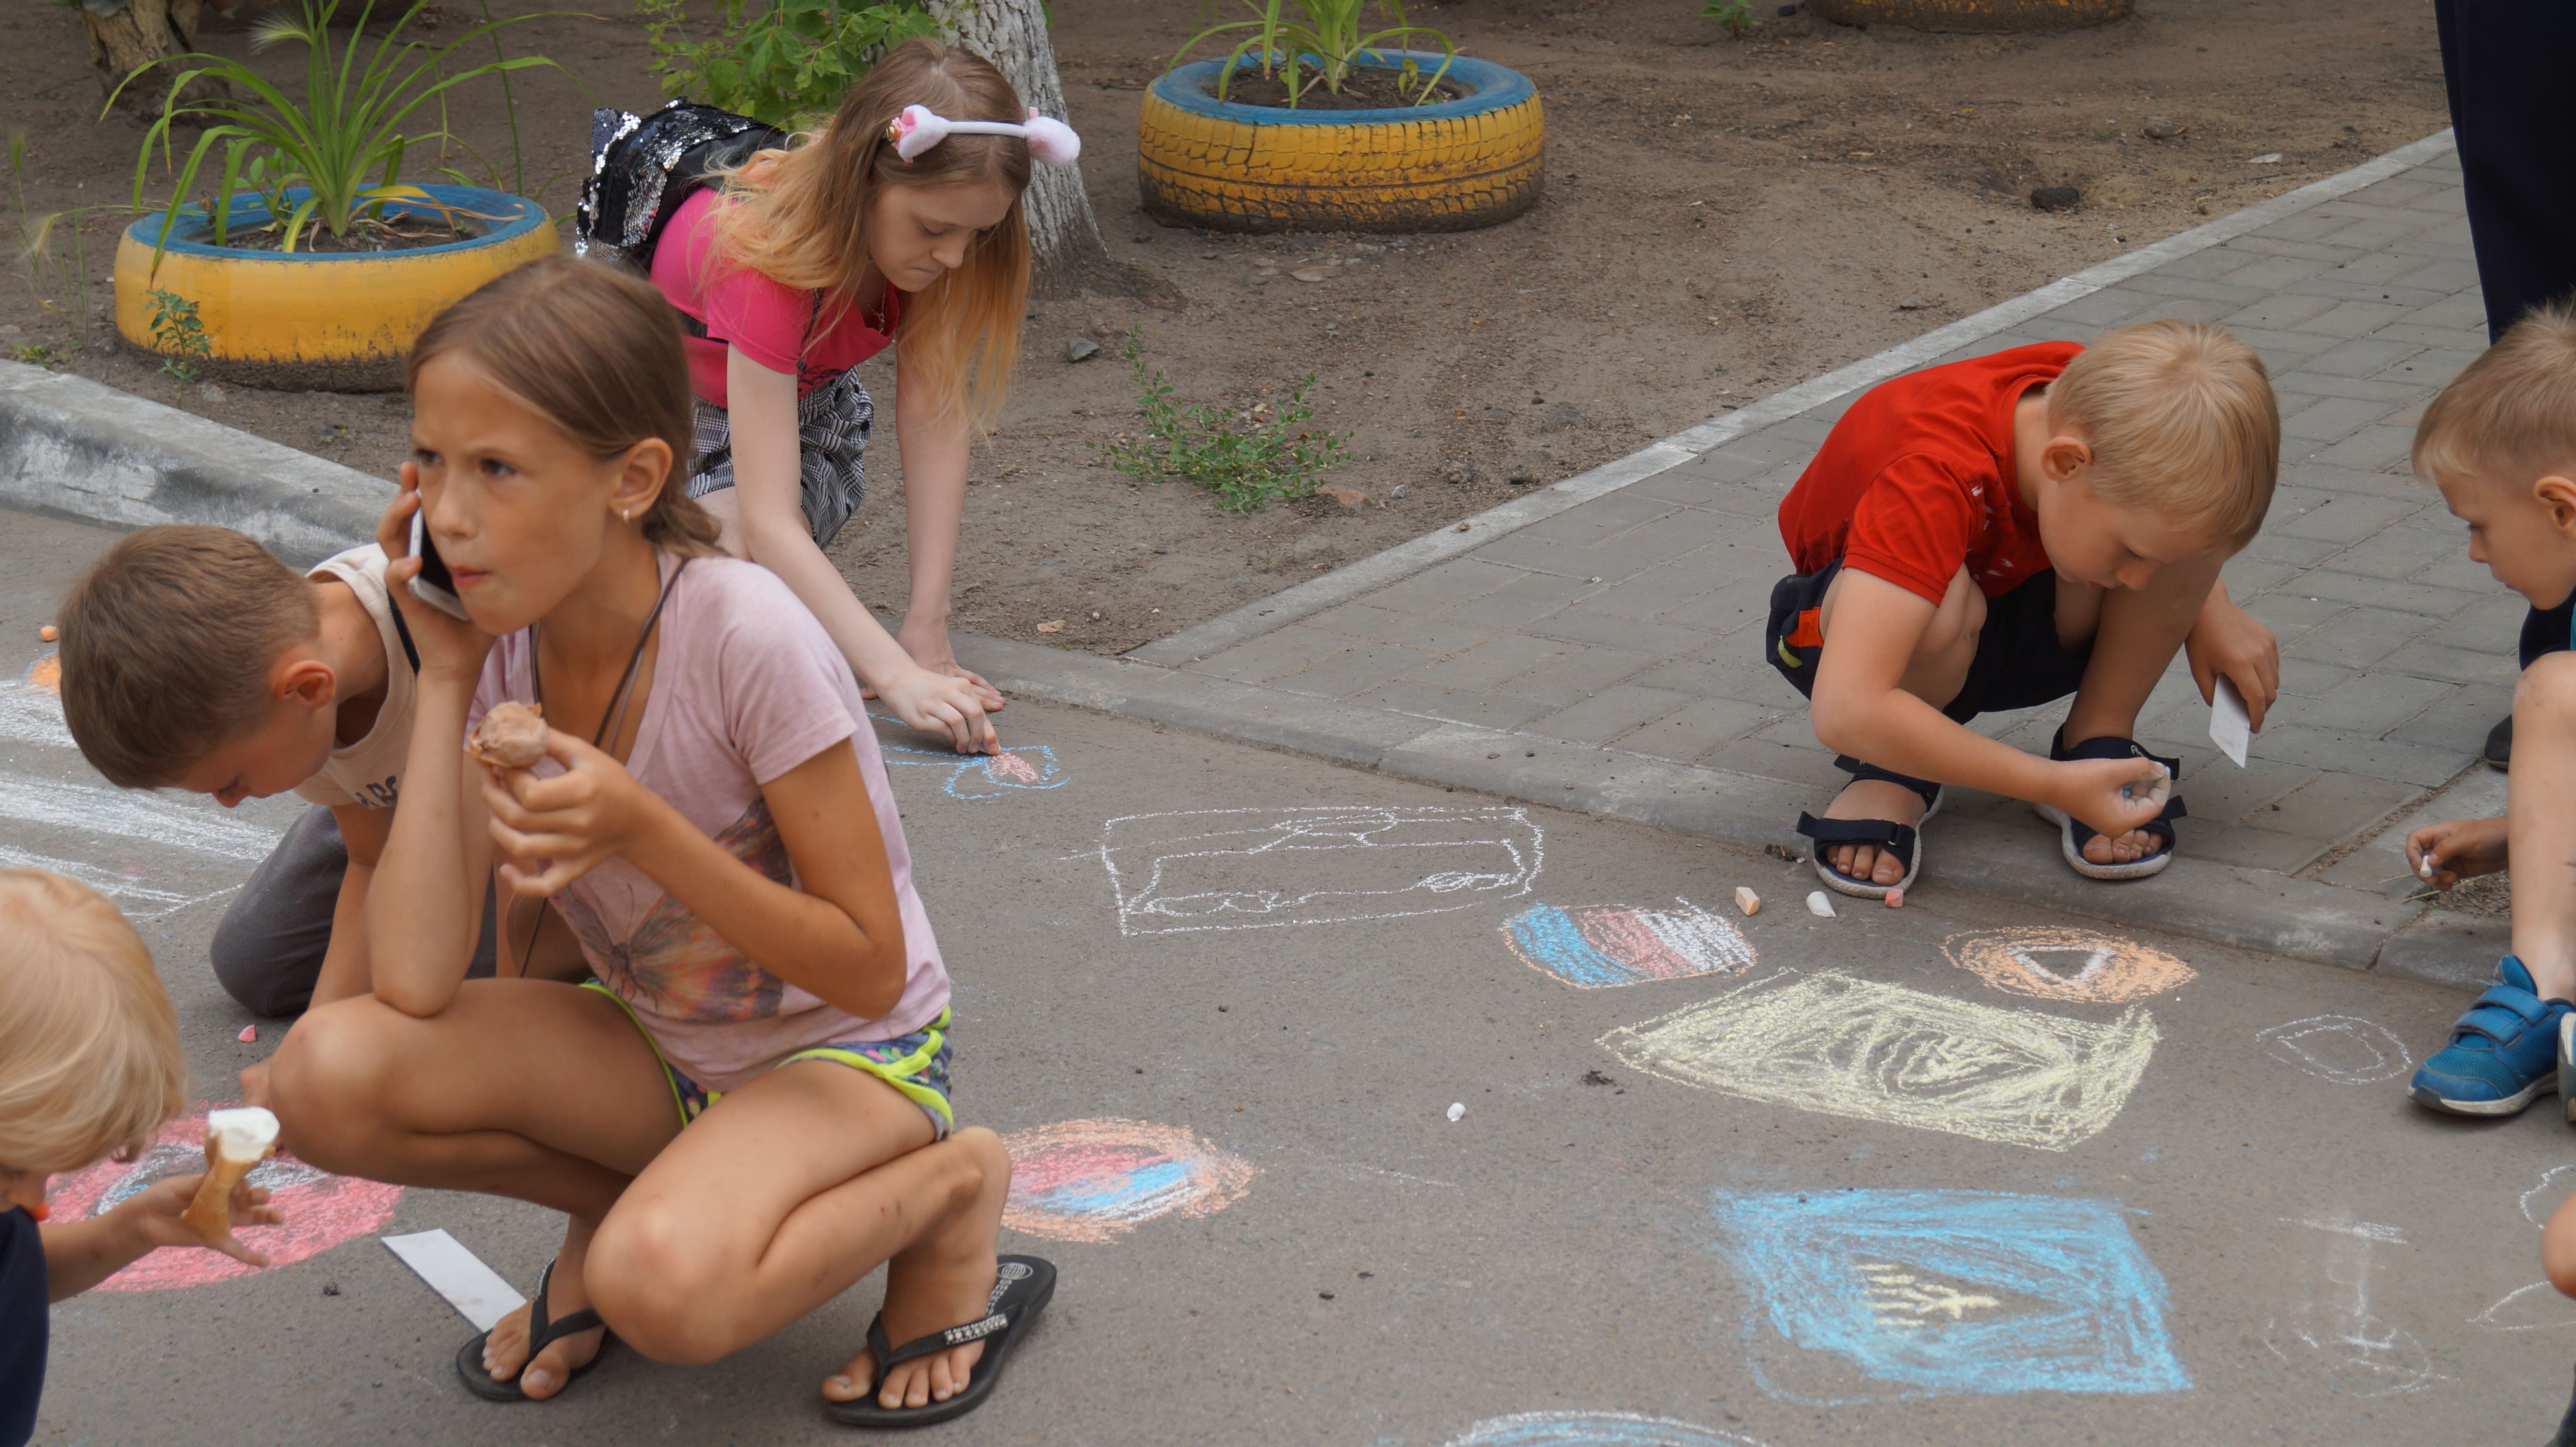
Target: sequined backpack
643 167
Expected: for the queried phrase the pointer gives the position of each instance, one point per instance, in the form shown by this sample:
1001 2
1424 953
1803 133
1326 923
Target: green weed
1735 17
1248 462
181 338
58 276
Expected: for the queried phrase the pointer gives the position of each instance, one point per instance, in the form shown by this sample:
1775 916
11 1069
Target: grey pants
268 948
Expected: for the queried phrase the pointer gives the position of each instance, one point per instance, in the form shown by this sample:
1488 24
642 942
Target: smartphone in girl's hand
435 585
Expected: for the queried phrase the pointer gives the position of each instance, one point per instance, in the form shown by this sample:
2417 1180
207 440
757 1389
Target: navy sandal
1903 840
1021 1289
2073 833
543 1332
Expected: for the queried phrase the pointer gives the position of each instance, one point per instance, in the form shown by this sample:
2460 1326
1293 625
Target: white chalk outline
2281 1042
88 809
1137 914
2547 1176
2347 1334
32 715
137 900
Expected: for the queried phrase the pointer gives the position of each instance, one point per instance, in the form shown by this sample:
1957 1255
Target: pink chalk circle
322 1210
1096 1180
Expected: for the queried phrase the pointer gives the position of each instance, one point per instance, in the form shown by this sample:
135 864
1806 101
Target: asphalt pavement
1965 1171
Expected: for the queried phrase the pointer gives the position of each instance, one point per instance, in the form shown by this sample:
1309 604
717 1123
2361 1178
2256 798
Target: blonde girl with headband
747 1110
897 224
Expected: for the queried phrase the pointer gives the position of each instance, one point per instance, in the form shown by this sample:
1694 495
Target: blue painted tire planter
1454 166
324 321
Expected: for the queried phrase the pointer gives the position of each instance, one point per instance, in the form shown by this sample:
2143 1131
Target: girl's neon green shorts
916 1064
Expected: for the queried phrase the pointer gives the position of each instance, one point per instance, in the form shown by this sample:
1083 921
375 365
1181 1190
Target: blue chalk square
1938 1292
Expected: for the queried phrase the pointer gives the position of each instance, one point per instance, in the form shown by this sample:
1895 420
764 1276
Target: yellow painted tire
318 321
1991 16
1454 166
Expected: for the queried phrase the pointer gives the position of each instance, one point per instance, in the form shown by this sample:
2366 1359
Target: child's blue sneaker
2503 1052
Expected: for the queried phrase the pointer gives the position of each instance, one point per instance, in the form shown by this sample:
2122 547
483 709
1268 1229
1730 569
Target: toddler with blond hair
89 1067
1999 533
2500 442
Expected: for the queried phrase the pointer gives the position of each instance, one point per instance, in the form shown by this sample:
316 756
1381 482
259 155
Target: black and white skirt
832 424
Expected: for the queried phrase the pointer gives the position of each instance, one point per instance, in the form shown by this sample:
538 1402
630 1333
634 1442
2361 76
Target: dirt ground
1723 218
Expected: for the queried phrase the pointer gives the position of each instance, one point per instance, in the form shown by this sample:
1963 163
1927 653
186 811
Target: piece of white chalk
1747 901
1896 897
476 1291
1818 905
1457 1109
2425 869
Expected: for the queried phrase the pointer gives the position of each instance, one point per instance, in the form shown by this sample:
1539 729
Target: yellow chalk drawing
1899 1298
2067 964
1841 1046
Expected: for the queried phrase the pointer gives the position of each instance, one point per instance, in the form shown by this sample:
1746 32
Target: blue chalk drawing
1592 1429
984 776
1951 1291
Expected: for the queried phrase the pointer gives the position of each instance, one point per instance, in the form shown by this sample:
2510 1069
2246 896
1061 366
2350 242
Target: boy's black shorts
2019 661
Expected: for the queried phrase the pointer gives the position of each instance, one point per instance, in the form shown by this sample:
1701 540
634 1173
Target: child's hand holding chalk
2442 855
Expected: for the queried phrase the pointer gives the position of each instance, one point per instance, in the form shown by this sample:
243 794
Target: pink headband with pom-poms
919 128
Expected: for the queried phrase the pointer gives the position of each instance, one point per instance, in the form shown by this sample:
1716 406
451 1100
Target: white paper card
2228 725
476 1291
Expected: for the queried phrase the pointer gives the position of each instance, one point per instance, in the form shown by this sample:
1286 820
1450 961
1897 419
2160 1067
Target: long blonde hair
799 217
89 1046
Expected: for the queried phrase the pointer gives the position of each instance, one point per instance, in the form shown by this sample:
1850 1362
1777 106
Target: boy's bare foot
1872 799
2128 848
944 1279
506 1349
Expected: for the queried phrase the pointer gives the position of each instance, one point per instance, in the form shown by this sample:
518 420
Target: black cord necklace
612 719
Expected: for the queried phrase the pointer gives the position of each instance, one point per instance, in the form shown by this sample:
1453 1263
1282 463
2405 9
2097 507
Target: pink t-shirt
746 687
768 321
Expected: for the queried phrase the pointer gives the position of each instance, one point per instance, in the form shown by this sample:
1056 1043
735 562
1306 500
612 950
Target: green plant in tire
342 140
1268 459
1330 38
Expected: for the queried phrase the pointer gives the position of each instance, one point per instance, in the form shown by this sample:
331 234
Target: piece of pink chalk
249 1033
1896 898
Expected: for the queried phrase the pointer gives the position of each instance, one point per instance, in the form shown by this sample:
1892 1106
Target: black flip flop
543 1332
2073 833
1903 840
1021 1290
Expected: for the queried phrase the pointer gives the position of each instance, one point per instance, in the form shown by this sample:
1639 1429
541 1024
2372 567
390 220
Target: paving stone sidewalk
1634 619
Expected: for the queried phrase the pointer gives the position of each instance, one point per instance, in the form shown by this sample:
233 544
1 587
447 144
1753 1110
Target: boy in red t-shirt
1999 533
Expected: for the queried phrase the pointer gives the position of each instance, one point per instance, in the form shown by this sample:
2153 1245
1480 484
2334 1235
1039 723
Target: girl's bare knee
660 1281
327 1080
2546 691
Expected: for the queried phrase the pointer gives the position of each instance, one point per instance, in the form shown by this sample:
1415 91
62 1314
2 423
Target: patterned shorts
916 1064
832 425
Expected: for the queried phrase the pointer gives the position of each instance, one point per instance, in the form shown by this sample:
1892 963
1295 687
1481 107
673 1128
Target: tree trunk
126 34
1063 234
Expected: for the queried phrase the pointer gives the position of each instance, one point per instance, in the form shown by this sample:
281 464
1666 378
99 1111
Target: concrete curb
2250 909
72 446
1200 640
